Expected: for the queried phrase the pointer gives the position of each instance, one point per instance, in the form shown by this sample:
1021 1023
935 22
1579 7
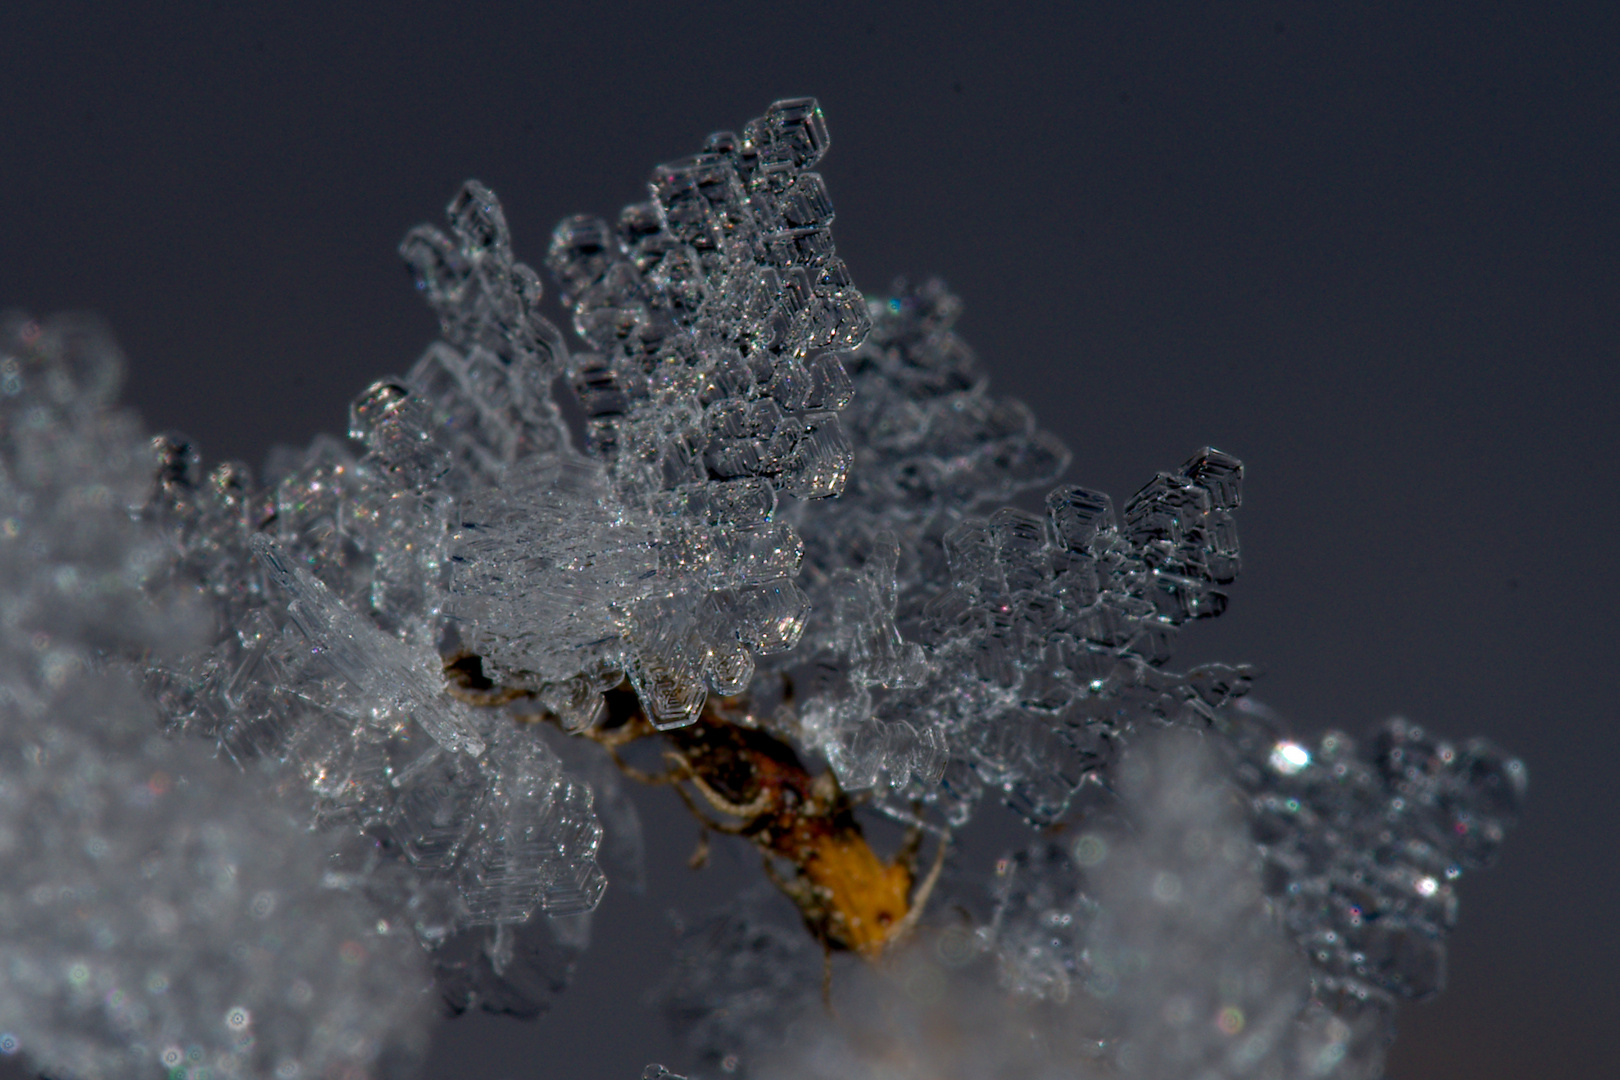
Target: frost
159 911
1017 647
1365 844
280 760
376 664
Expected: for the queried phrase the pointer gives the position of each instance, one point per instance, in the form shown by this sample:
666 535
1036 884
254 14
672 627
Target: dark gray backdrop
1371 250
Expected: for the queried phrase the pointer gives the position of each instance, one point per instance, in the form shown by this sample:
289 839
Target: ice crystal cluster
160 911
272 760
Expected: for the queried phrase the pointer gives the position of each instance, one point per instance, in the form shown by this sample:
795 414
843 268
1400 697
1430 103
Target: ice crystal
159 911
1364 845
793 508
1012 649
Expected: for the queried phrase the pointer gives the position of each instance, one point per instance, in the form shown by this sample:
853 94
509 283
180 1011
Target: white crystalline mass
787 495
336 587
716 313
160 912
1203 981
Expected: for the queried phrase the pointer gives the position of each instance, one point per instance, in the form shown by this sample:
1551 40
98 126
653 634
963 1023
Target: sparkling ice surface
160 911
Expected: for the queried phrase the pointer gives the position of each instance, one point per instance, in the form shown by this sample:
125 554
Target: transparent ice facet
546 568
370 659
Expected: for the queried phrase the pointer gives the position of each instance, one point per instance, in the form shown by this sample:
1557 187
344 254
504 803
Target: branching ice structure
787 498
159 910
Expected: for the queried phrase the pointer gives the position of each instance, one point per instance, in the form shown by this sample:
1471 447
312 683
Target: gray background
1371 250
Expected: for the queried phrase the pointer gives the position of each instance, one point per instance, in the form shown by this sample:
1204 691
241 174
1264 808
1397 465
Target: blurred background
1371 249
